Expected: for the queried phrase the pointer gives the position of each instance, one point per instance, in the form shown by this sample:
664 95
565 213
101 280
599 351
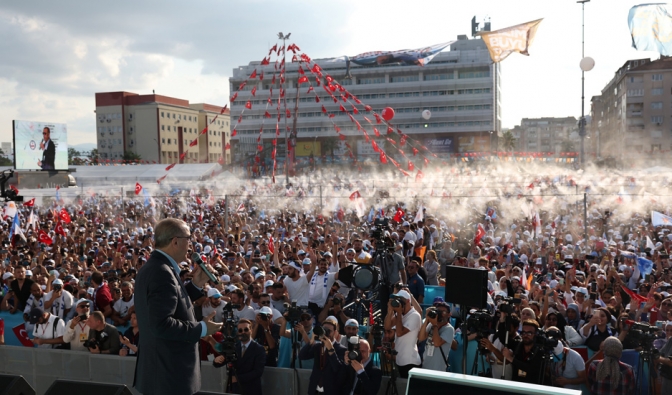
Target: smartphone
647 278
664 256
593 287
593 296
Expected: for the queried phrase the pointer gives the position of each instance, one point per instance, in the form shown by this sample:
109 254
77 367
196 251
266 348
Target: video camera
479 322
293 312
378 233
546 340
642 334
11 194
507 305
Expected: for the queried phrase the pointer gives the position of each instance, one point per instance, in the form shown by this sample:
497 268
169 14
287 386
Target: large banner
409 57
40 146
474 144
443 145
305 148
503 42
651 28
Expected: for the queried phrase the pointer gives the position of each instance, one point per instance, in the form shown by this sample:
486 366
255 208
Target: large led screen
40 145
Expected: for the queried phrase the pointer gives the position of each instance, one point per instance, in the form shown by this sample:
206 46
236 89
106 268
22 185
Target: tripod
546 361
230 374
481 352
381 258
389 368
296 346
645 358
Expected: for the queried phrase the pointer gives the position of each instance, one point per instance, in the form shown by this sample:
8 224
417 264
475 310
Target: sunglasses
84 306
526 333
243 330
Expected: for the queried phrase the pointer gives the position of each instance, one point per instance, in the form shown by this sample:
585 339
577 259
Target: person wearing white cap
297 283
265 301
216 305
58 301
77 329
406 322
267 333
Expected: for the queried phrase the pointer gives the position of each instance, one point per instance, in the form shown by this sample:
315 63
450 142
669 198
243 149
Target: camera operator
287 336
103 337
77 329
527 358
362 377
664 362
267 334
568 368
406 322
350 329
334 307
250 359
327 354
496 342
393 273
438 332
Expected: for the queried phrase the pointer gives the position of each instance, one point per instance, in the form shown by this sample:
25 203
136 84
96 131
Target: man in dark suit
363 377
328 373
168 362
49 151
249 364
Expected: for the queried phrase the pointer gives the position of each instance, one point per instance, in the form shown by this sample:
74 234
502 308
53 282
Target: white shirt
407 345
410 236
247 312
46 330
219 311
122 307
66 299
317 290
298 290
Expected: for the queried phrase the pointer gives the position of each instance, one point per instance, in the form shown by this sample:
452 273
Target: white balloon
426 114
587 63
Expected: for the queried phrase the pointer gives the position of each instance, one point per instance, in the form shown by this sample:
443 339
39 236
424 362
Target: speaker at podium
432 382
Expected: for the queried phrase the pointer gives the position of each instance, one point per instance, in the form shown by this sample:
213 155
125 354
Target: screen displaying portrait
40 145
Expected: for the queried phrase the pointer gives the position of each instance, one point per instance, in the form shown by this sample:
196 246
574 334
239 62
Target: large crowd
581 288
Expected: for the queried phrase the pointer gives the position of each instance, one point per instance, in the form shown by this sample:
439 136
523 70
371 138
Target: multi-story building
7 149
457 87
547 135
159 128
631 117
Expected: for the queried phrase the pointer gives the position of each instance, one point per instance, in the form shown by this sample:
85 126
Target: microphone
197 259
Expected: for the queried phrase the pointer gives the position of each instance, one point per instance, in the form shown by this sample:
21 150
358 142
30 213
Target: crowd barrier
41 367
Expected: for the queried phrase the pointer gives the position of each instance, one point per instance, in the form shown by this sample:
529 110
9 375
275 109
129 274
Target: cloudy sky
57 54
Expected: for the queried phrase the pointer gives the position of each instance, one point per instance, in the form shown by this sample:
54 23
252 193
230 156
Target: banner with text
503 42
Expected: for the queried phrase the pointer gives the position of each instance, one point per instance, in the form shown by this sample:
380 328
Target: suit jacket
249 368
168 361
368 381
333 375
49 156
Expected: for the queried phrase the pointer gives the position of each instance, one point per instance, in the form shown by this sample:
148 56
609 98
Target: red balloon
388 113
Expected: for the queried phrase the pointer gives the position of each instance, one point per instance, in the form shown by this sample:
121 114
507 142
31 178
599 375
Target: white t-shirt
319 287
298 290
573 366
247 312
46 330
219 311
122 307
410 236
407 345
66 299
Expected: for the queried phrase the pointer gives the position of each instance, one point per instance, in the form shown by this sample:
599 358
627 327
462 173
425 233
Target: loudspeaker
207 393
14 385
63 387
467 286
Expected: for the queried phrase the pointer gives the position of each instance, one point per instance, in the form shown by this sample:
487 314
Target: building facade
159 129
632 116
459 87
547 135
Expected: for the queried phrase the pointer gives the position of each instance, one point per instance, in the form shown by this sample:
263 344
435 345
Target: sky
57 55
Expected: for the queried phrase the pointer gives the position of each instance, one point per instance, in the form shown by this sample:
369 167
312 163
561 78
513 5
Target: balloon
426 114
587 63
388 113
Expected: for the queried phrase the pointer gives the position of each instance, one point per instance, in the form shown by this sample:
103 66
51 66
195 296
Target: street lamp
586 64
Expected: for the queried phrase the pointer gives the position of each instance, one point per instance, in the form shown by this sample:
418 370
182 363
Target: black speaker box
467 286
14 385
66 387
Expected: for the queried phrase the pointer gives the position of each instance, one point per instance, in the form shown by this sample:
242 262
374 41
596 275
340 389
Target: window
657 119
366 81
163 141
161 114
437 77
163 127
474 73
656 77
173 115
654 92
405 78
657 105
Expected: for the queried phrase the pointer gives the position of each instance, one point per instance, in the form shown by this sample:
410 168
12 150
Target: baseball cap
57 282
301 252
403 294
225 278
35 315
295 265
29 272
268 283
82 300
352 322
332 320
350 250
405 223
265 310
214 293
306 261
7 275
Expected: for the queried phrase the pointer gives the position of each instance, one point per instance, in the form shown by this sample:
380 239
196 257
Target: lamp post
284 52
586 64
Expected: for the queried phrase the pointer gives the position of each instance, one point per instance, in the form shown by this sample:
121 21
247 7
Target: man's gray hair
166 230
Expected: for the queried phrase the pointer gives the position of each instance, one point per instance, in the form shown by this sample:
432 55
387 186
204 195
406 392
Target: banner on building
442 145
503 42
651 28
473 144
306 148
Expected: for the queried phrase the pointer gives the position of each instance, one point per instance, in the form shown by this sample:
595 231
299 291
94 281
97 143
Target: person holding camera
350 329
103 337
327 355
496 342
58 301
304 327
334 308
267 334
362 377
406 322
568 368
438 332
249 362
77 329
526 360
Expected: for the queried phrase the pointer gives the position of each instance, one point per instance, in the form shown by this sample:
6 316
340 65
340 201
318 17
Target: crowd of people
580 289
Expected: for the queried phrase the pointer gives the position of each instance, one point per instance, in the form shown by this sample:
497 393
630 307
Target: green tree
4 161
93 156
508 141
72 154
329 145
567 146
130 156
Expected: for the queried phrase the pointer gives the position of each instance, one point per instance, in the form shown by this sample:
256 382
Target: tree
72 155
567 146
508 141
130 156
329 144
93 155
4 161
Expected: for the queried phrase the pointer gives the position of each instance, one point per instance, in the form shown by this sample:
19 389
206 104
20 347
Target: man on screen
49 151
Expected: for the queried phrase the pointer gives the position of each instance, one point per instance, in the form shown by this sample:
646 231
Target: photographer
526 359
362 377
267 334
249 363
438 332
393 273
334 307
77 329
103 337
568 368
287 336
406 322
498 341
327 354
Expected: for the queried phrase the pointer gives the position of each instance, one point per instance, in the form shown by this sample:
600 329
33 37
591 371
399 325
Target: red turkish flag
480 232
13 188
43 237
138 188
355 195
161 179
220 160
30 203
271 246
399 215
227 146
21 334
198 201
383 157
64 216
170 166
248 105
410 166
59 229
254 74
302 79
